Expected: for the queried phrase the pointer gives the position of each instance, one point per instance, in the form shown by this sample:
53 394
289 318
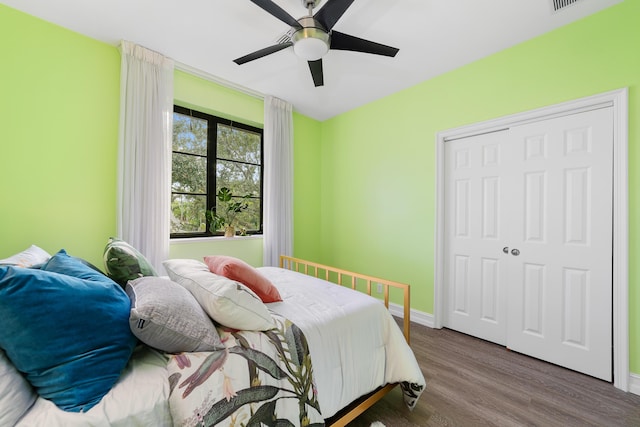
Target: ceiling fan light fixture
310 43
310 49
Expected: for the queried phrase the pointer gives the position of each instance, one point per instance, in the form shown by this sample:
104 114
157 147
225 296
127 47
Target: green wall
247 248
306 186
378 161
59 104
195 92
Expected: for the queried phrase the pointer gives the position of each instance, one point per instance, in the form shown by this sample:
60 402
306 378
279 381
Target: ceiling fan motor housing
311 41
310 3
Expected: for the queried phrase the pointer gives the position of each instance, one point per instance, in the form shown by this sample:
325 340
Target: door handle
505 249
515 252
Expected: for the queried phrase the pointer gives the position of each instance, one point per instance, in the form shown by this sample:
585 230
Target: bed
329 354
337 303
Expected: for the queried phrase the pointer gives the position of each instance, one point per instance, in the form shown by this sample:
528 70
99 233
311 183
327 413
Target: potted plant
224 215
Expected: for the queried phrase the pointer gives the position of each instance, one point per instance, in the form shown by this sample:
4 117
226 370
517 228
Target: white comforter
139 399
351 355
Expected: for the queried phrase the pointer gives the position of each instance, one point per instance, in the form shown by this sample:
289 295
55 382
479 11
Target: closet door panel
474 267
562 229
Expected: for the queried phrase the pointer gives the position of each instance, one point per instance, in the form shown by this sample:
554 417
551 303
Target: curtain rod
210 77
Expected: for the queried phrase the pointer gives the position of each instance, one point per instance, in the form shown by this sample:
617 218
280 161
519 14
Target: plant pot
229 231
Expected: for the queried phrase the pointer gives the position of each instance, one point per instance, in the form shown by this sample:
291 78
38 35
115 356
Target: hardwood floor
471 382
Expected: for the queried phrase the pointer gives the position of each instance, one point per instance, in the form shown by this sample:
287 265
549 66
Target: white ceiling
434 36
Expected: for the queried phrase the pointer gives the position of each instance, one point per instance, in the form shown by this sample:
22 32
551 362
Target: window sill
182 240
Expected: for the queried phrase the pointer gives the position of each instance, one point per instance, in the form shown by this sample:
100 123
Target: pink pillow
238 270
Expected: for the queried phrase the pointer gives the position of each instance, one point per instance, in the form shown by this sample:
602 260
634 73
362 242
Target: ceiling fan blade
331 12
262 52
278 12
341 41
316 72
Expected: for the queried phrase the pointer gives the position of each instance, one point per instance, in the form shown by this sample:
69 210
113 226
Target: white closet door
475 231
528 239
560 292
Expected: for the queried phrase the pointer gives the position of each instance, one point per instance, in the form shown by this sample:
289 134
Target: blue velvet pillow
66 328
64 263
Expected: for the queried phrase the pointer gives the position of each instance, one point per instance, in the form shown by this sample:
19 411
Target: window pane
249 219
240 178
188 213
189 173
238 144
189 134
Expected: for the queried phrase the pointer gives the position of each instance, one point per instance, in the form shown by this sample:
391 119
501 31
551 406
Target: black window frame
212 160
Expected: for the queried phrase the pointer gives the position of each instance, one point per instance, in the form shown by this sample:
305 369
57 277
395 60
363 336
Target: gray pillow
164 315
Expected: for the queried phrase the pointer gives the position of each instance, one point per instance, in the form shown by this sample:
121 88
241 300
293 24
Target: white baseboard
634 383
420 317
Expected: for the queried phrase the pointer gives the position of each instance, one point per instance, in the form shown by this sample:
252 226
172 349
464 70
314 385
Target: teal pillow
123 262
88 264
74 266
65 327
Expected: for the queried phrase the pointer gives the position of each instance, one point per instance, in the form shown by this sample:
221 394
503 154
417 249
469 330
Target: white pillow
27 258
16 395
228 302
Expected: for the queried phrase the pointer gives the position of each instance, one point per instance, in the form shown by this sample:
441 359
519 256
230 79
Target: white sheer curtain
144 151
278 180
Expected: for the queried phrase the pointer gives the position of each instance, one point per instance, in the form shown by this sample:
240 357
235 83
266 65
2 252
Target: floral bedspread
260 378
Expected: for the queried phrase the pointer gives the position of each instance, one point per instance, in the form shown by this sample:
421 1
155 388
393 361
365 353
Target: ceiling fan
312 36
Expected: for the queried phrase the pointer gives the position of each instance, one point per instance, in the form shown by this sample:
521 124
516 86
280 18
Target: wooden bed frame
355 280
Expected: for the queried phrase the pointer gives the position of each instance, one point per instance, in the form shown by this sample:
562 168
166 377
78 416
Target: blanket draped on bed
355 342
260 377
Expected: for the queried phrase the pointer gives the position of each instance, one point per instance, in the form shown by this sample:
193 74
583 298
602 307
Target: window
210 153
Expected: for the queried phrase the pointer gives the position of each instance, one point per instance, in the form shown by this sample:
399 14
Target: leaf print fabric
260 378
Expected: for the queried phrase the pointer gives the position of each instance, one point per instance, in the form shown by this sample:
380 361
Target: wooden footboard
348 278
342 277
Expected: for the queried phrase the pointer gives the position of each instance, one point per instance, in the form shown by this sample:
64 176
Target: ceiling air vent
561 4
